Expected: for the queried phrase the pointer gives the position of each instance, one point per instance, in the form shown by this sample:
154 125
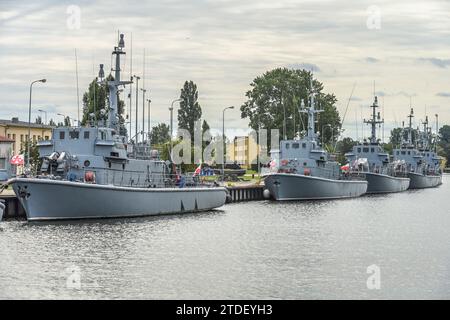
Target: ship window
428 154
409 152
372 150
398 152
287 145
365 149
295 145
403 152
87 163
359 150
61 135
304 164
74 134
304 145
86 134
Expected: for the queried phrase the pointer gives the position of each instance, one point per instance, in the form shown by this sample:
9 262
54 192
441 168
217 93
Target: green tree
38 120
52 123
190 110
444 141
35 161
67 122
343 146
277 94
95 99
160 134
399 135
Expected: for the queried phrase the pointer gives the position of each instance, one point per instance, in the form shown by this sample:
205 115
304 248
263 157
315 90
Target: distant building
5 156
18 132
243 151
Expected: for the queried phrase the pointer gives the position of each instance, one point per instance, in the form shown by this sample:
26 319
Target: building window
86 134
2 163
61 135
9 136
34 137
46 137
21 138
14 136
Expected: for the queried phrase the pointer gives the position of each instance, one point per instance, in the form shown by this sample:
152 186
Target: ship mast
311 111
376 119
113 86
425 145
410 116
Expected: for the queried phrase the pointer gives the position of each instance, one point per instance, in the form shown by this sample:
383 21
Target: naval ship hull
420 181
58 200
287 186
381 183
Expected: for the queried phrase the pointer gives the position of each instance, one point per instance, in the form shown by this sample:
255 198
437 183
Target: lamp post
137 98
143 113
171 125
149 122
45 113
223 140
29 121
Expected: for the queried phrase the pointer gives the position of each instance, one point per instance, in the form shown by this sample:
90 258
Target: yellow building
243 151
18 132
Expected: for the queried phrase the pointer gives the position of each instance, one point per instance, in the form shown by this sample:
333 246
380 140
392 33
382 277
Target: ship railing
140 178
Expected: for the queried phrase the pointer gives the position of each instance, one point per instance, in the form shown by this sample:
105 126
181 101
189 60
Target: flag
198 170
17 159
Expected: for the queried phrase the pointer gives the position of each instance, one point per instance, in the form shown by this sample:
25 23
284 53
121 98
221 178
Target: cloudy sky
222 45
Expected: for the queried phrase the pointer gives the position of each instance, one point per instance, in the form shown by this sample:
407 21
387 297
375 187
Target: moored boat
94 171
303 170
369 159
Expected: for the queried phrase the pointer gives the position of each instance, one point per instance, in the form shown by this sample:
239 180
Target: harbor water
248 250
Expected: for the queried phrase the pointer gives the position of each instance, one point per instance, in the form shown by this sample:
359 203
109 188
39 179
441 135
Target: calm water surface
254 250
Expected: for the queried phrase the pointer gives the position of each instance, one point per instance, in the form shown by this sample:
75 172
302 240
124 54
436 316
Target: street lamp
45 113
143 113
171 125
223 140
149 122
29 121
137 98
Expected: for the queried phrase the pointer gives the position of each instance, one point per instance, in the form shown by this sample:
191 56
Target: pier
246 193
13 207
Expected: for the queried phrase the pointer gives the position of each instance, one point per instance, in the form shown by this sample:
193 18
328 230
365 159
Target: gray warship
95 172
303 170
374 163
423 163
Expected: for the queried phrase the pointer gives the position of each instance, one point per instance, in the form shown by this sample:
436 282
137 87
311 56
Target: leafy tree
160 134
38 120
67 122
96 99
35 161
398 135
52 123
444 141
277 94
190 110
343 146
